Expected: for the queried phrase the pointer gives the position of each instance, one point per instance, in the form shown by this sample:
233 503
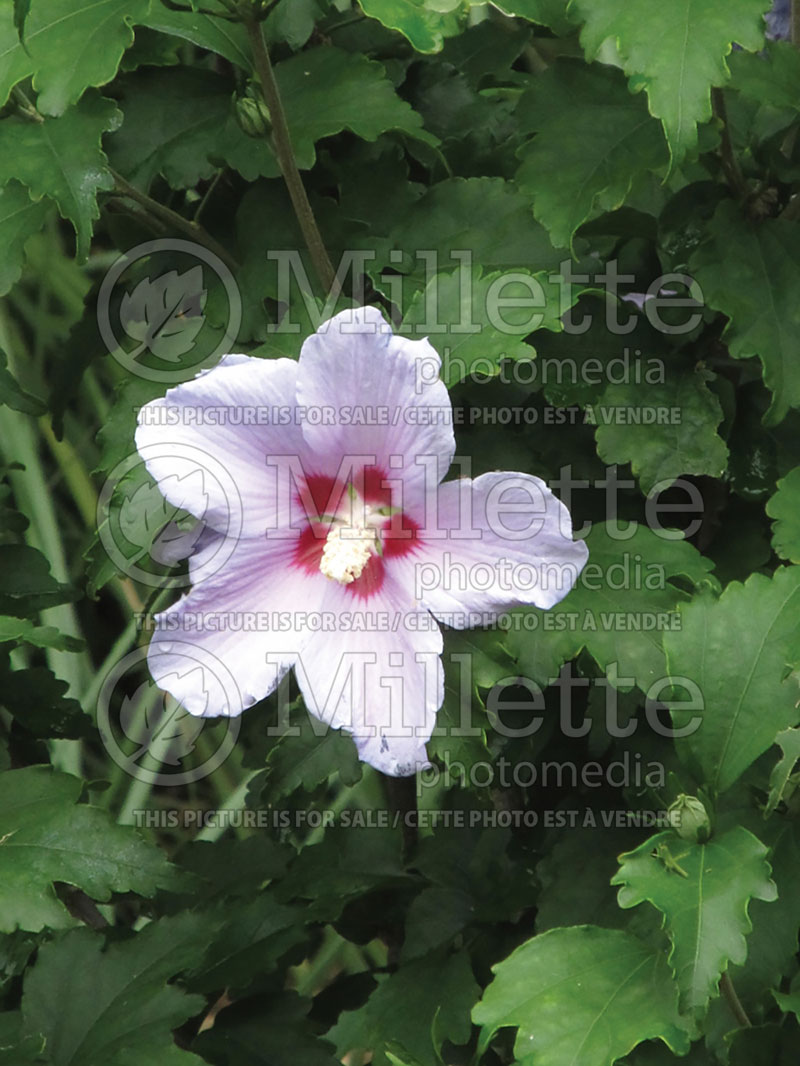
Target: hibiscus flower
350 548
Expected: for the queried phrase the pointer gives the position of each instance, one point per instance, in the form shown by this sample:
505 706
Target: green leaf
476 125
624 602
771 78
293 23
123 1009
552 13
21 10
277 1034
784 508
488 46
485 218
151 49
675 51
749 273
763 1045
11 520
22 630
406 1060
789 742
26 584
163 1054
790 1001
46 837
228 39
14 1050
62 158
473 660
182 141
703 892
429 996
323 92
233 867
581 995
738 651
434 918
465 318
576 367
489 218
357 858
652 1054
771 946
251 939
69 46
12 394
327 90
15 63
417 20
665 432
472 880
612 139
307 756
20 217
38 700
575 875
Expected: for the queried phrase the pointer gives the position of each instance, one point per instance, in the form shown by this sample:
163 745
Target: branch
730 164
171 218
401 794
733 1001
163 214
286 160
26 108
81 906
401 799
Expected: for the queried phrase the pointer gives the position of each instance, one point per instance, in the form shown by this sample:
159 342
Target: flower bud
689 818
253 115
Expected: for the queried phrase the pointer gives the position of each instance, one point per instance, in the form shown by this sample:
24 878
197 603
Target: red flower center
328 502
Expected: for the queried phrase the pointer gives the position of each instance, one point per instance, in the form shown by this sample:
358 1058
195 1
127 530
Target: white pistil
347 551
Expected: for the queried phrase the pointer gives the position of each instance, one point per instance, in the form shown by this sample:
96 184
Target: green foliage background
533 133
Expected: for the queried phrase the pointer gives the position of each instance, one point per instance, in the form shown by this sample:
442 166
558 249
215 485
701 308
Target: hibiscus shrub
551 817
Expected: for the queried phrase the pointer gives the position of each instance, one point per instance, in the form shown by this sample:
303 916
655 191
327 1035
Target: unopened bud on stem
253 115
689 818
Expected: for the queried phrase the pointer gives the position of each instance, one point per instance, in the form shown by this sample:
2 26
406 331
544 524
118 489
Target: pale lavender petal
500 541
354 369
174 542
379 676
240 621
206 442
